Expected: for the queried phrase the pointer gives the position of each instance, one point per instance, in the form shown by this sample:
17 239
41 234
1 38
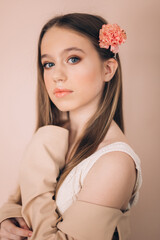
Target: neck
78 120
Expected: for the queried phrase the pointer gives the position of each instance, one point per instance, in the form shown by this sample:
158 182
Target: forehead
57 38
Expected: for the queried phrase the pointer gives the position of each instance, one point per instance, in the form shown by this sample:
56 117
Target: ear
110 67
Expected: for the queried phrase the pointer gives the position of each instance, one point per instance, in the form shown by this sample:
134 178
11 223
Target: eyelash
44 65
74 58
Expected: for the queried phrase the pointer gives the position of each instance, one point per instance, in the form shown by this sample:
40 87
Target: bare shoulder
110 181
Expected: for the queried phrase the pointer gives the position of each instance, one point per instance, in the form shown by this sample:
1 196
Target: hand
14 229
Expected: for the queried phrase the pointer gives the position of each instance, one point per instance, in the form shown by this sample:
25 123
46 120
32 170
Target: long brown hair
110 104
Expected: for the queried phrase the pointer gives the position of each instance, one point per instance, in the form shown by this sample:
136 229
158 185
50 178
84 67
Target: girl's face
73 71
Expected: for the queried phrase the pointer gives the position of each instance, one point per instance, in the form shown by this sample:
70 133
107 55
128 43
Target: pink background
20 24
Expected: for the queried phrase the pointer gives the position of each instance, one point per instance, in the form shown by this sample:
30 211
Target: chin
64 108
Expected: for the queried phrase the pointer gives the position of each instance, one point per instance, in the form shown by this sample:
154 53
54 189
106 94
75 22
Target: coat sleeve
41 163
40 166
11 208
86 221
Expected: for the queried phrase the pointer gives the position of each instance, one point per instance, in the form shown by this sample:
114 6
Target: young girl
79 176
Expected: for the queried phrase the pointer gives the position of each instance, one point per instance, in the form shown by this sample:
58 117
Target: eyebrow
65 50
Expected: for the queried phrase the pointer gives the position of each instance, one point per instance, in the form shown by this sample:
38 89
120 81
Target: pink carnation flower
111 35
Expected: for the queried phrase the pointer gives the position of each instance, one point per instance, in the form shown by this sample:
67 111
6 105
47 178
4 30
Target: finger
22 223
9 236
4 235
13 229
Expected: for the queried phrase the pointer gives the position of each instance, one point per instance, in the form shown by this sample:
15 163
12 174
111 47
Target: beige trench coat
43 158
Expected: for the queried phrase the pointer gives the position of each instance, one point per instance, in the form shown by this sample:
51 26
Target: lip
60 92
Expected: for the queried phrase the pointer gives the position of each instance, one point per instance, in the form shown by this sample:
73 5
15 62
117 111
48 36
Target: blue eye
74 59
48 65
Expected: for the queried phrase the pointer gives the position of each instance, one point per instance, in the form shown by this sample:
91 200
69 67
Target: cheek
49 89
47 82
89 76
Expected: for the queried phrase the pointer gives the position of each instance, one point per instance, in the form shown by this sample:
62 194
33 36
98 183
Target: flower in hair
111 35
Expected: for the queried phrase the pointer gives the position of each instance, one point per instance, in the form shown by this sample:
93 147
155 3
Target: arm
40 166
86 221
42 161
12 208
12 225
106 191
110 181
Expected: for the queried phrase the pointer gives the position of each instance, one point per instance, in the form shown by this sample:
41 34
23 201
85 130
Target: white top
73 183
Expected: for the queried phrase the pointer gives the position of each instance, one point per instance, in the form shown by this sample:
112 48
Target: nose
58 74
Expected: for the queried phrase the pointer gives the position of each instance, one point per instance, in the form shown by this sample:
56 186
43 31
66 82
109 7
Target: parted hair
110 104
